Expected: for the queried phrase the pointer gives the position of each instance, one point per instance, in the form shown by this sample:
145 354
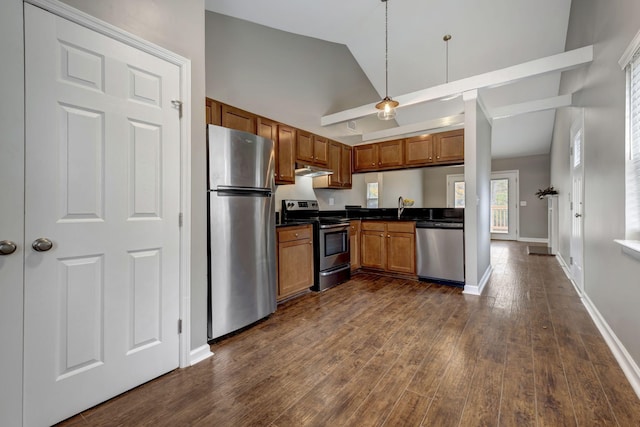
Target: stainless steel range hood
312 171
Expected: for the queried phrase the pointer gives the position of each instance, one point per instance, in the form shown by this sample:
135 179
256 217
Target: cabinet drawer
288 234
401 227
373 225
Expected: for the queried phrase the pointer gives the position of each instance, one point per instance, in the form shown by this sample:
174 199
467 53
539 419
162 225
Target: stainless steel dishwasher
440 251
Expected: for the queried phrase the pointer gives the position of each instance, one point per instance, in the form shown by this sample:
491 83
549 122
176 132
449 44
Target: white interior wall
610 277
477 176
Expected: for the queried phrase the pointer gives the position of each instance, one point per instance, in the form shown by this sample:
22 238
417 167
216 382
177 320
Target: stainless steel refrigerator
241 231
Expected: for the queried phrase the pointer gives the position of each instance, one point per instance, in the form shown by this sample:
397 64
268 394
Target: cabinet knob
311 243
296 234
382 235
430 158
388 237
438 157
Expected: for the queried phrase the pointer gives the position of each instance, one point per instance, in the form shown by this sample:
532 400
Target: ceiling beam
554 63
441 124
531 106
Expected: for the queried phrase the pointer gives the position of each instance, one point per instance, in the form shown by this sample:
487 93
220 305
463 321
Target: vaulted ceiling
486 36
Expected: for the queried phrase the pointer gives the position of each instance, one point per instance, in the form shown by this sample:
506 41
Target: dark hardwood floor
384 351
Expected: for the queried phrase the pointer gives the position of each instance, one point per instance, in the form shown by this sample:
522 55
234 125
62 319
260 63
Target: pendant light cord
386 48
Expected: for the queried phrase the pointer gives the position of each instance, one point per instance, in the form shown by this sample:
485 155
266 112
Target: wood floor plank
386 351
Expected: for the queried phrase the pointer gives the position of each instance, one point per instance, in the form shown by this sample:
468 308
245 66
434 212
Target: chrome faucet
400 206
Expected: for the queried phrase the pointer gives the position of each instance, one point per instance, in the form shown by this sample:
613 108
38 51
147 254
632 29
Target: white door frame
513 193
577 209
12 217
184 64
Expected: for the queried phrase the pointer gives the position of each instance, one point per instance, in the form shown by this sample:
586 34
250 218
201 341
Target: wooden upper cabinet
449 146
335 163
391 153
312 149
320 150
267 129
418 150
283 152
383 155
286 155
365 157
304 147
345 165
235 118
214 113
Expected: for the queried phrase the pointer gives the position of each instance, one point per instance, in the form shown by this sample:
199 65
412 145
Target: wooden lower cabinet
388 246
401 247
294 260
354 244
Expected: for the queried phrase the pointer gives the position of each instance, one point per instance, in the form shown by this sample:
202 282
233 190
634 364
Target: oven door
334 245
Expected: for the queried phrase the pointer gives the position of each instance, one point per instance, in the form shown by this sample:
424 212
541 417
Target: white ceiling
486 35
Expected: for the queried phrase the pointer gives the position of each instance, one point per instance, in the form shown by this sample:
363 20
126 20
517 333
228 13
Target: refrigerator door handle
243 191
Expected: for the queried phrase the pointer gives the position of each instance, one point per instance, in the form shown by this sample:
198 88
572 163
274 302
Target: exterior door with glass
577 201
504 202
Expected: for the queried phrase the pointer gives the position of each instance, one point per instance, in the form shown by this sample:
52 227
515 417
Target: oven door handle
332 226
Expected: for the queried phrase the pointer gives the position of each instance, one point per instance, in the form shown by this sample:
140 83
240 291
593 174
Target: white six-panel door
102 178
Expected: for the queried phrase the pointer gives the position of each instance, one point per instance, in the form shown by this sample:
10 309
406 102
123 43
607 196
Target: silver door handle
578 215
7 247
42 244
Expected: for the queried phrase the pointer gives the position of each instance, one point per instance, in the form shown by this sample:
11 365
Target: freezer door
242 247
239 159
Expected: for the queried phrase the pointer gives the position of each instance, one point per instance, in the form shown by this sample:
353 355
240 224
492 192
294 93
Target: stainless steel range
331 242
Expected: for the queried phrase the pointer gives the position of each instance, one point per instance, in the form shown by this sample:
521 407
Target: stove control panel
300 205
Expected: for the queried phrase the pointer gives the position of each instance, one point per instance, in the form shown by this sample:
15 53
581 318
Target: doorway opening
504 202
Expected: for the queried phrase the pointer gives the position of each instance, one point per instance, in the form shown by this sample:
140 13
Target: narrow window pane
459 194
500 206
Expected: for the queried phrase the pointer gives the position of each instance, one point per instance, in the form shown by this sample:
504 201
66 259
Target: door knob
42 244
578 215
7 247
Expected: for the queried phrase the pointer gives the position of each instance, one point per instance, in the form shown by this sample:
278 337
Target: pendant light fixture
387 106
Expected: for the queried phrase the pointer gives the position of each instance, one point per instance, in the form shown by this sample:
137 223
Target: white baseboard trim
626 362
477 289
533 240
567 272
199 354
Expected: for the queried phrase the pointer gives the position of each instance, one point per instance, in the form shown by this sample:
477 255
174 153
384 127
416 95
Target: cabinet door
354 244
365 157
304 147
320 150
373 249
286 162
345 166
390 153
235 118
418 150
213 112
335 153
295 261
449 146
401 252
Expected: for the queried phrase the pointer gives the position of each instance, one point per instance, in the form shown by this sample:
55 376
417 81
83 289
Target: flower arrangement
546 192
408 202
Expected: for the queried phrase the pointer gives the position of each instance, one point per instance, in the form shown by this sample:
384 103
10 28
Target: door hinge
177 104
180 219
570 260
179 326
